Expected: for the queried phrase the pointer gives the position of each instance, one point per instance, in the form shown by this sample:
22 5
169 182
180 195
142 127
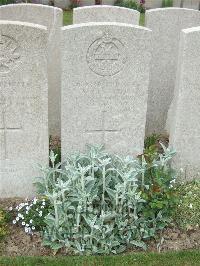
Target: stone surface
23 106
166 25
104 86
177 3
194 4
51 18
153 3
105 14
185 126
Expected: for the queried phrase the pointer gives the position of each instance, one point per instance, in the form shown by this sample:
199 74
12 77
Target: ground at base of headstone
18 243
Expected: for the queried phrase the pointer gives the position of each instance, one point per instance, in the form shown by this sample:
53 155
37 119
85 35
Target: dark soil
18 243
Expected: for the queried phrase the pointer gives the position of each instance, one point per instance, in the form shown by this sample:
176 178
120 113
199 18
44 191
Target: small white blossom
23 223
26 229
43 203
42 207
14 221
33 227
31 221
10 209
26 212
27 208
190 206
17 218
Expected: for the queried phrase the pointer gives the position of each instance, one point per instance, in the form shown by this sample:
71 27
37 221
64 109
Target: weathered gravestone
23 106
105 14
194 4
104 86
185 126
52 19
166 25
177 3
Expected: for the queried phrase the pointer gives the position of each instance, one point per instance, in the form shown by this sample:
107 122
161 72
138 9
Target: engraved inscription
9 53
106 56
4 104
103 130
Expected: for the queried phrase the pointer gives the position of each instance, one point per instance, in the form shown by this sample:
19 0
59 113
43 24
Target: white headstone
23 106
51 18
153 3
105 14
166 25
177 3
104 86
185 128
193 4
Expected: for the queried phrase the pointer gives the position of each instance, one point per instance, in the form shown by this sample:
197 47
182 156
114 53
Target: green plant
187 214
3 224
127 3
97 201
30 214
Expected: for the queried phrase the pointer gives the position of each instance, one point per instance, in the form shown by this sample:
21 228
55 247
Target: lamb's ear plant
99 201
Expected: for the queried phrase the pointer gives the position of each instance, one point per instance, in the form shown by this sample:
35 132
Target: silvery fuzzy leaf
111 192
139 244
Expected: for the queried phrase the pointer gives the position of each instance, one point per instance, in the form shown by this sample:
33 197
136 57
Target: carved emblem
9 53
106 56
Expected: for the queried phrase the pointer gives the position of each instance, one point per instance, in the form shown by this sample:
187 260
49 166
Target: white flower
10 209
27 225
43 203
17 219
27 208
31 221
26 229
190 206
26 212
42 207
23 223
33 227
14 221
37 209
40 214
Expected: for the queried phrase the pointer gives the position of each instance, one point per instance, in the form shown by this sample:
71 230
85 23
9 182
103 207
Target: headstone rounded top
170 9
96 24
106 7
105 13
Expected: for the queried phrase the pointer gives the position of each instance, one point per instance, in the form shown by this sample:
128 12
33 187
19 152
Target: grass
68 18
184 258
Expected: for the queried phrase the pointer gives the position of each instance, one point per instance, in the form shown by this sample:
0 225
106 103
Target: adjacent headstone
105 14
51 18
193 4
185 128
23 106
166 25
153 3
177 3
104 86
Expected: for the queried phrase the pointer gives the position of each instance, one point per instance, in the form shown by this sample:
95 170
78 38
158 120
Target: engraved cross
104 129
3 108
